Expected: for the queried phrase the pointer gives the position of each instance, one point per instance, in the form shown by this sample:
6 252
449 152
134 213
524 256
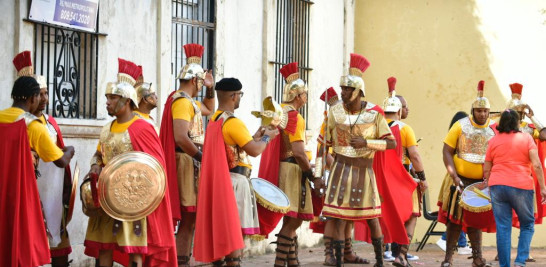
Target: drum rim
72 201
475 209
267 204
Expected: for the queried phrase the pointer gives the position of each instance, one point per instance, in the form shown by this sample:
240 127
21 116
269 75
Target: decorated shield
131 186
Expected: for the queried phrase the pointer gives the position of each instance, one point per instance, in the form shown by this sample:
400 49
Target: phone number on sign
75 17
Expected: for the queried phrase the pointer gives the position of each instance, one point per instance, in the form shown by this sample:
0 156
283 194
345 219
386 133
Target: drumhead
270 196
473 201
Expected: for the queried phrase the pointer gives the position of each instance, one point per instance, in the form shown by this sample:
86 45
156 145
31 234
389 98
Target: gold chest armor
472 143
235 154
195 131
350 125
113 144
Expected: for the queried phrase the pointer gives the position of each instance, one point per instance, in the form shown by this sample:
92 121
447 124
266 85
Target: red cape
22 229
166 135
67 186
395 187
217 224
269 170
161 244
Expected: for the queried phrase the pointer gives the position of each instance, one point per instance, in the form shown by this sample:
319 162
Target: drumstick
481 194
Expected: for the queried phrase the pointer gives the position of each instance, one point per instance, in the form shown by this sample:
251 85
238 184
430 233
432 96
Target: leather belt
290 160
245 171
179 150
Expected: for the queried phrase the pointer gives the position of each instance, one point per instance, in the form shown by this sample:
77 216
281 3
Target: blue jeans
504 199
462 239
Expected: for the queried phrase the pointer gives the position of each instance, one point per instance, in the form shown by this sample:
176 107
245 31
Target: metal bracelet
266 139
421 175
376 144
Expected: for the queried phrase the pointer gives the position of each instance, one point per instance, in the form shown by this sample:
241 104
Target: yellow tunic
185 108
290 173
38 136
236 135
115 140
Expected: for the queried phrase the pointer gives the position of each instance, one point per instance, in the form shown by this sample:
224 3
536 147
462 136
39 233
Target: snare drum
269 196
477 209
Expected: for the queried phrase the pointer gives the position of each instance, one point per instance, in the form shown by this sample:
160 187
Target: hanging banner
76 14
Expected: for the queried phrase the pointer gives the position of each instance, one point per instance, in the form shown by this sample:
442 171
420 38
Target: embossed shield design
131 186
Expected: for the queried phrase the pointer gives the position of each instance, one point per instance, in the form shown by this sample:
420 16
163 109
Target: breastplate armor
195 130
235 154
472 143
51 130
352 125
113 144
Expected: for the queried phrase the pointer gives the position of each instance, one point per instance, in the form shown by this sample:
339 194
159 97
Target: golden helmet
515 102
272 114
392 103
142 88
23 65
357 67
481 101
294 85
193 68
128 72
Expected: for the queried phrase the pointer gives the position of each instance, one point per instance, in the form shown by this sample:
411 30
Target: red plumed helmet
329 95
516 88
23 64
194 51
392 83
359 62
289 69
129 68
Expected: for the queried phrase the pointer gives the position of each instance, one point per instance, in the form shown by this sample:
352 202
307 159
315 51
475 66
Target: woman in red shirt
507 169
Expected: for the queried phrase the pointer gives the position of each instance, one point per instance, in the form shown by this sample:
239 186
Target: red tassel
480 85
129 68
94 190
392 83
288 69
22 60
359 62
194 50
516 88
330 92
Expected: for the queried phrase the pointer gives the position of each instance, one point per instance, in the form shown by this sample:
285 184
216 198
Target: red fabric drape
22 230
161 244
166 135
217 225
395 187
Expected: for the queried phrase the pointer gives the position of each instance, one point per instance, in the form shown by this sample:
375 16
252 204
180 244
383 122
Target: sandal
400 264
282 261
230 261
183 261
348 250
330 259
294 252
530 259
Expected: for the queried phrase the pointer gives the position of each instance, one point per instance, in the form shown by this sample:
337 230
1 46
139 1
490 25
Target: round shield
75 180
131 186
269 196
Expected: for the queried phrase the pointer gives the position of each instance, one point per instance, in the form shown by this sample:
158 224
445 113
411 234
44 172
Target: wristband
308 175
266 139
210 92
198 156
376 144
421 175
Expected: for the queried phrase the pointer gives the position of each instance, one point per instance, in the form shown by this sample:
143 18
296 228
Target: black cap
229 84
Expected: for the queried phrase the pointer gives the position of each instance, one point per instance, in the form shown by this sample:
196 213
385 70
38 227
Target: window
292 42
193 22
69 61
